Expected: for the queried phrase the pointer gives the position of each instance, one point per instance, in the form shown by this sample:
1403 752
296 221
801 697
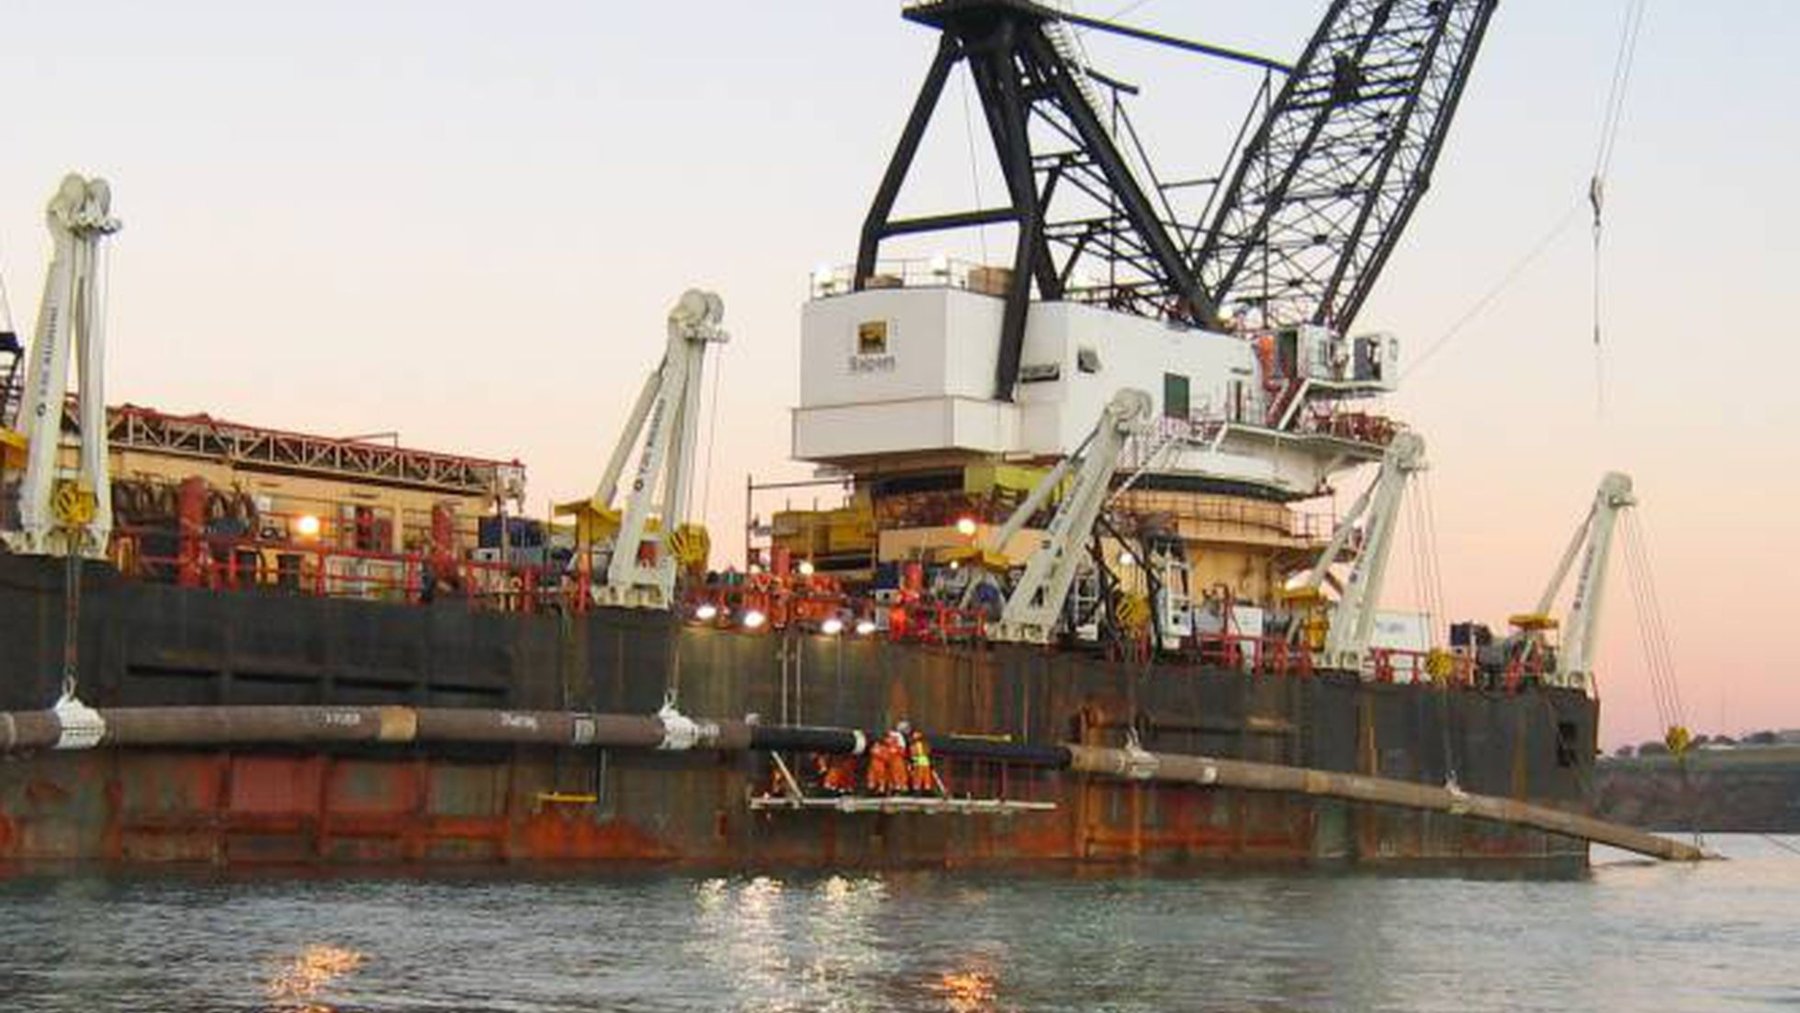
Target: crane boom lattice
1320 195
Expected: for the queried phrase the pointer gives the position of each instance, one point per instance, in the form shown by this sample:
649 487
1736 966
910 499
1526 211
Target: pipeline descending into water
72 725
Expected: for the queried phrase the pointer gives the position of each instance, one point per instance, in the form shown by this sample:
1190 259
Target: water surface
1627 935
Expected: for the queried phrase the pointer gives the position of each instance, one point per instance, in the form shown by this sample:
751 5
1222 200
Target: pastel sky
465 221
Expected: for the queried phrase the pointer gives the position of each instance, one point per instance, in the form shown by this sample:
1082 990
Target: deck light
965 526
707 612
806 568
306 526
832 626
864 627
1126 558
753 619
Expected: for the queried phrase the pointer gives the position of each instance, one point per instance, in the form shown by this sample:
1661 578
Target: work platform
930 804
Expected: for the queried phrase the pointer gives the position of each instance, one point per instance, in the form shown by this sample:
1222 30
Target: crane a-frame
651 522
73 514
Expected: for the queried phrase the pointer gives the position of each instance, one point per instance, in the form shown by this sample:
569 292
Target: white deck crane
1352 620
1575 662
70 321
664 424
1036 603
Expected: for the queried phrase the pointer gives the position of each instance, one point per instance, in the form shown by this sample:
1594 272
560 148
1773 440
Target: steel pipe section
244 726
1137 764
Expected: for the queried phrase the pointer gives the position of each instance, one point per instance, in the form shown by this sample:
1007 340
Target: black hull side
148 644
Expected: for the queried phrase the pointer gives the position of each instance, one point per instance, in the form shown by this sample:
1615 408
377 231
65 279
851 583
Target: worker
896 756
840 775
920 755
877 777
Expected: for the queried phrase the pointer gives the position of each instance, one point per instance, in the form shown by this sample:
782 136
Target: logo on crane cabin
872 355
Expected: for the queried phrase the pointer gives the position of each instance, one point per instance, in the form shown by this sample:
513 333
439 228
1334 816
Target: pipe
1139 765
235 726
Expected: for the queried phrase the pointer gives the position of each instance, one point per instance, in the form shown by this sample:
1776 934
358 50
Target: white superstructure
910 370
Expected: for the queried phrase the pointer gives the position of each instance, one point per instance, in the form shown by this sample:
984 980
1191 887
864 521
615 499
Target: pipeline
73 726
243 726
1139 765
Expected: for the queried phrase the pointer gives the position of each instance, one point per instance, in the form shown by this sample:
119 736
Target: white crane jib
69 319
1352 622
666 422
1575 662
1036 603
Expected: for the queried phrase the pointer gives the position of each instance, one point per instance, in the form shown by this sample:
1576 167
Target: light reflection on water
1630 935
300 984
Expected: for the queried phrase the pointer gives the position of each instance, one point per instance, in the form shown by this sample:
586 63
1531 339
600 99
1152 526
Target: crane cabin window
1175 396
872 337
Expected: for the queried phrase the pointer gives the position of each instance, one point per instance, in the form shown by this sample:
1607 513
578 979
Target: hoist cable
1640 613
1661 624
1439 602
962 81
712 435
1611 117
1662 663
1614 111
1491 295
1652 625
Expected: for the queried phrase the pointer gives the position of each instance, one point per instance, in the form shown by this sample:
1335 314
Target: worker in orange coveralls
920 755
877 778
840 775
896 757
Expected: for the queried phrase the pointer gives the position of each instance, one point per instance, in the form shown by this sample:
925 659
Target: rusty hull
350 803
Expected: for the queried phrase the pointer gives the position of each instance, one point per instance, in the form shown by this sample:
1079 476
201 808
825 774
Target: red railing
310 568
754 603
1254 654
758 603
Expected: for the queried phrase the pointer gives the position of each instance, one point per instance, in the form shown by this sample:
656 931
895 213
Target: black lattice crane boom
1315 201
1318 198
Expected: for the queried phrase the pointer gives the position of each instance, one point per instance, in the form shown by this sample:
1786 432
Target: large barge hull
145 644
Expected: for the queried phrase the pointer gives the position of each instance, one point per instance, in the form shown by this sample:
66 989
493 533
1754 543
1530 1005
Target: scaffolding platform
929 804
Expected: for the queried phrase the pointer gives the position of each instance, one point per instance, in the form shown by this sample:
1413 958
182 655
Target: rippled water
1627 935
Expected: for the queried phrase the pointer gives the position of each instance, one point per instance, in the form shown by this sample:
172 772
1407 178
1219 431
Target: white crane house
60 513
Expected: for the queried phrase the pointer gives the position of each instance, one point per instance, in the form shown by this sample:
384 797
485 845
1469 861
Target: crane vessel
1075 554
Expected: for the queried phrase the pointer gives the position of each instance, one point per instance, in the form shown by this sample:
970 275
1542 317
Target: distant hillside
1746 789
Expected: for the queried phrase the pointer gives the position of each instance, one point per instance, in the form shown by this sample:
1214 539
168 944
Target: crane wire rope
712 436
962 80
1506 281
1428 583
1660 658
1612 116
1127 9
1434 563
6 320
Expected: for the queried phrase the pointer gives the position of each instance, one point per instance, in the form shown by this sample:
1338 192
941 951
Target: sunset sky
465 221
